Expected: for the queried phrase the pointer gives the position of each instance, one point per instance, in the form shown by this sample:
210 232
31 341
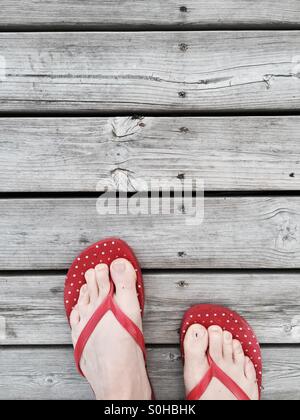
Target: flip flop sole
208 315
102 252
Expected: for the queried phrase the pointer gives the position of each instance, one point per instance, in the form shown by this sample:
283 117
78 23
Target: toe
84 297
238 352
215 334
195 356
123 274
195 343
74 317
227 346
90 277
124 277
102 277
250 371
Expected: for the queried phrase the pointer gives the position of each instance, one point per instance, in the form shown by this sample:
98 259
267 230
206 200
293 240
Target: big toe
124 277
195 351
195 343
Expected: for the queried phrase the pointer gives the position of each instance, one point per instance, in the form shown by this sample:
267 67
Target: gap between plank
63 195
149 346
158 114
184 27
162 271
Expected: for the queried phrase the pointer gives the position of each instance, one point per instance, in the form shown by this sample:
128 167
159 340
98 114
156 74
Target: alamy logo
183 198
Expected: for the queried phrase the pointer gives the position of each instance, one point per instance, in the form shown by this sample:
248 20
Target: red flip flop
208 315
105 252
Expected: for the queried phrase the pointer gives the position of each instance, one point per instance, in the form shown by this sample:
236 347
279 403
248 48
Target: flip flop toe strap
215 372
127 324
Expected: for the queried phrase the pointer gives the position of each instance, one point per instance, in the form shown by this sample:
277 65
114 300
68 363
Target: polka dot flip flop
208 315
105 252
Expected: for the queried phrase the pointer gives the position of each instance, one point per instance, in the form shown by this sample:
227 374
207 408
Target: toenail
227 336
101 267
119 266
215 329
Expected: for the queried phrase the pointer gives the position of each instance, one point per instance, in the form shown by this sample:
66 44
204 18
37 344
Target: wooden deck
117 90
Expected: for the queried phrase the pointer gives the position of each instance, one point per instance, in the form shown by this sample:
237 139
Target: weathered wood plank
66 154
143 71
50 373
32 312
236 232
137 13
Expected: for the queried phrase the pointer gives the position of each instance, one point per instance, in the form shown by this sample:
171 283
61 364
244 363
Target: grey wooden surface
150 71
115 91
229 154
137 13
32 311
49 373
237 232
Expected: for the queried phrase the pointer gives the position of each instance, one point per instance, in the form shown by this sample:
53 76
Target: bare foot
227 354
112 362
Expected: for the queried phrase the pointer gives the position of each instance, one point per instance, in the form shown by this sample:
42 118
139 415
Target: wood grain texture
50 373
236 232
144 71
74 154
137 13
32 310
